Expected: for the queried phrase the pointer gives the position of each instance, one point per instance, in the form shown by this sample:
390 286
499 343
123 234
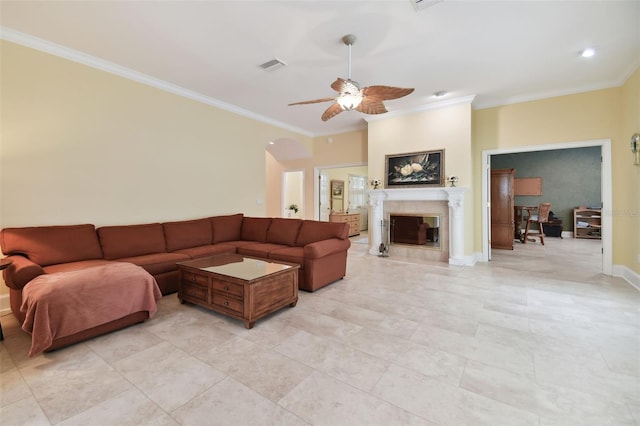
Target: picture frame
415 169
337 195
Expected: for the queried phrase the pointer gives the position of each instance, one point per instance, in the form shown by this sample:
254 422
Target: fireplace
446 203
421 230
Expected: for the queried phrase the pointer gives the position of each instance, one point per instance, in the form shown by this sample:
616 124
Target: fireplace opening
415 229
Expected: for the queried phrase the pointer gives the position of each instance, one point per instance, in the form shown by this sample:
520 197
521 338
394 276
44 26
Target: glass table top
236 266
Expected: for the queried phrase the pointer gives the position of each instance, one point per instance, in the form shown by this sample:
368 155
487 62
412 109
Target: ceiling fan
367 100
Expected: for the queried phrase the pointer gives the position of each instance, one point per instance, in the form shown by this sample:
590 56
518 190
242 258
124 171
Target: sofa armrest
20 272
325 247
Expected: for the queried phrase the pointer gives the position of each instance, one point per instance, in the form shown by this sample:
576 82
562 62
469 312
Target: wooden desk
521 214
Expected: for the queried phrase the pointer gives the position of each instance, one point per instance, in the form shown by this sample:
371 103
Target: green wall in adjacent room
570 178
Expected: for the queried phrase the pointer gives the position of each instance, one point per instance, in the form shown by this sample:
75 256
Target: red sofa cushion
312 231
226 228
284 231
208 250
187 234
49 245
131 240
259 249
255 229
157 263
289 254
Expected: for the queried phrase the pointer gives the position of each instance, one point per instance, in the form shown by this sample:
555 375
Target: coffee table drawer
195 291
227 303
227 288
194 278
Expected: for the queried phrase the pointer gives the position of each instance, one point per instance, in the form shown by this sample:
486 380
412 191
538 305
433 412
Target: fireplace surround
452 228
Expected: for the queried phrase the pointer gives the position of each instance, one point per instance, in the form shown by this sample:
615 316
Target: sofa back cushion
255 228
131 240
226 228
284 231
312 231
187 234
50 245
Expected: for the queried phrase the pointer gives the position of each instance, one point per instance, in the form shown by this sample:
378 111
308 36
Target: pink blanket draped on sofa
65 303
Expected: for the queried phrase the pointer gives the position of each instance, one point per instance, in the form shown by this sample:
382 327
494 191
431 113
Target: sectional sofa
320 248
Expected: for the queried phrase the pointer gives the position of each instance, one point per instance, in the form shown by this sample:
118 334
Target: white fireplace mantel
454 196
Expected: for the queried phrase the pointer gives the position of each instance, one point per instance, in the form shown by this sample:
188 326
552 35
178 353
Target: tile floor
536 337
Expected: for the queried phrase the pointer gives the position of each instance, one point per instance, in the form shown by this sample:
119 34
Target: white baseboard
465 261
627 274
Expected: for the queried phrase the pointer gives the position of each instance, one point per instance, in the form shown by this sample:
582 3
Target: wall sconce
635 148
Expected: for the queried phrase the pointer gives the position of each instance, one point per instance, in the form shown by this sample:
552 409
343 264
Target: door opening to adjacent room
489 157
293 193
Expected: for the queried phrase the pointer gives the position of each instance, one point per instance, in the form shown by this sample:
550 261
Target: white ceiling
499 51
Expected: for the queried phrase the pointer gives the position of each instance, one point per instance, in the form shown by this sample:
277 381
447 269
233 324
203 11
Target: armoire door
502 221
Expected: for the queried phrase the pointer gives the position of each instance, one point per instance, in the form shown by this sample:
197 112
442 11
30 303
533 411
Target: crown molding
545 95
427 107
42 45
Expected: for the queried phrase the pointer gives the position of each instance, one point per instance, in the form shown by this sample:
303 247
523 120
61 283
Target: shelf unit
587 223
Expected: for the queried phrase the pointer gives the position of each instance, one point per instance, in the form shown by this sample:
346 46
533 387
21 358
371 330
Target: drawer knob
226 287
193 293
226 303
193 278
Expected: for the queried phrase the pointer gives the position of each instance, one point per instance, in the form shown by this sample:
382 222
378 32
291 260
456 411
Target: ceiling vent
273 64
419 5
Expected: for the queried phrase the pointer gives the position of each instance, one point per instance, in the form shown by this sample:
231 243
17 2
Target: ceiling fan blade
332 111
370 105
314 101
338 85
384 93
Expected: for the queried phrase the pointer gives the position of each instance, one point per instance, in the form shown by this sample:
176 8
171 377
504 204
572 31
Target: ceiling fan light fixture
349 101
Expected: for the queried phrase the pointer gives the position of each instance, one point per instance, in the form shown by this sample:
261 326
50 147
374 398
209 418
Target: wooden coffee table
241 287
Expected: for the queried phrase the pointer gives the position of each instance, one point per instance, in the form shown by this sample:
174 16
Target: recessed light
440 94
588 52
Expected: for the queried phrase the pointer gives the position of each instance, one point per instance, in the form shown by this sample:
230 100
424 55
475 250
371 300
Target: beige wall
448 128
627 211
79 145
581 117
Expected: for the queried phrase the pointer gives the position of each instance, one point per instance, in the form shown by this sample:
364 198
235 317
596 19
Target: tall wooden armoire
502 221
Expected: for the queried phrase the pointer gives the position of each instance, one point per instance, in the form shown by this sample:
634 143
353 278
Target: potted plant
294 207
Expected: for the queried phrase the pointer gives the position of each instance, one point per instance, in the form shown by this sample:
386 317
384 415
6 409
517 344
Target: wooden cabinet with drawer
353 219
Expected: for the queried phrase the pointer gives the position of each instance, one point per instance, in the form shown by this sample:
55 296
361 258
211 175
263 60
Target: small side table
4 264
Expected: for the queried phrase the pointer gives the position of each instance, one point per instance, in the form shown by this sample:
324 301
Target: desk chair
540 218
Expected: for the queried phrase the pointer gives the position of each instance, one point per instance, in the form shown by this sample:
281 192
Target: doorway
357 201
606 189
293 193
355 190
